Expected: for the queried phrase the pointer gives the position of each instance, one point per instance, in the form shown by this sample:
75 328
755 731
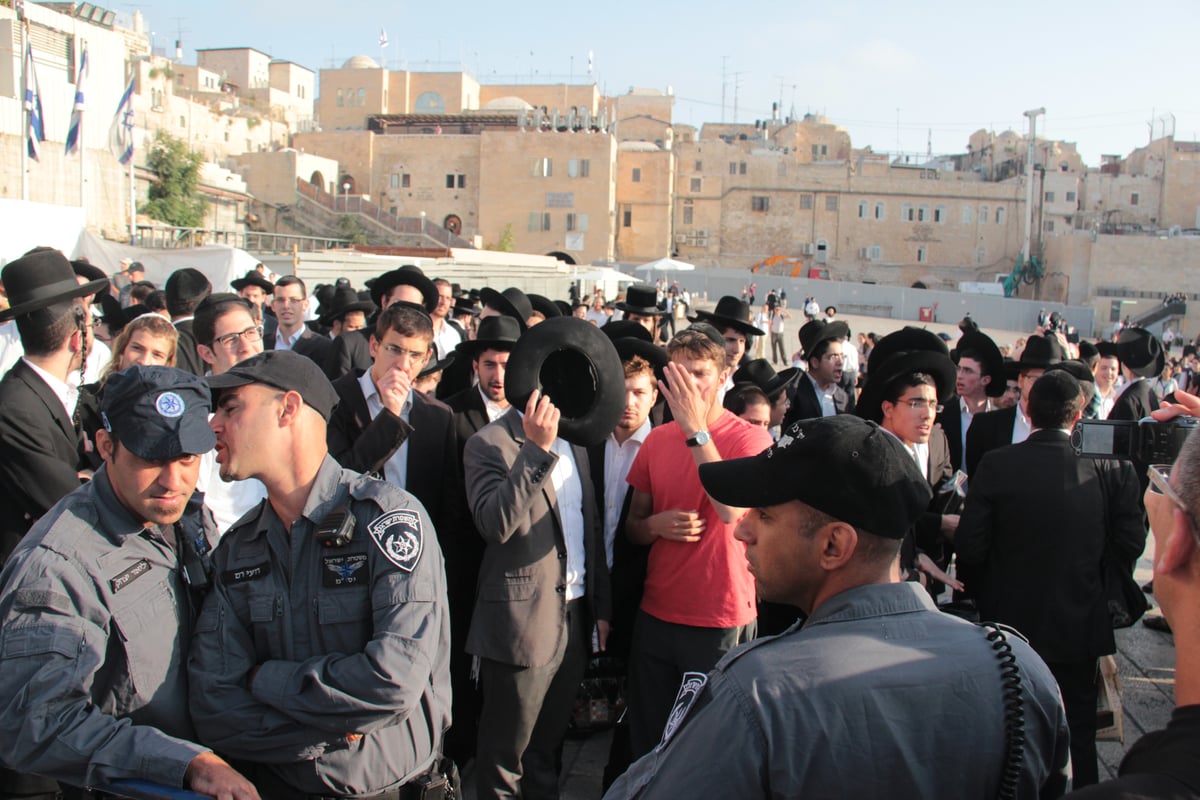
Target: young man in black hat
819 394
828 505
345 312
408 284
1142 357
1006 426
1038 522
731 318
254 287
185 288
641 306
107 660
979 377
487 355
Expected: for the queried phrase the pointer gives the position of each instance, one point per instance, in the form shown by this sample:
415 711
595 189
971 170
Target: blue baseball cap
158 413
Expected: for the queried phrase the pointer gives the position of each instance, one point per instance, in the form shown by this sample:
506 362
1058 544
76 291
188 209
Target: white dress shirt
395 471
1022 427
494 410
285 342
824 396
618 458
67 394
965 416
568 489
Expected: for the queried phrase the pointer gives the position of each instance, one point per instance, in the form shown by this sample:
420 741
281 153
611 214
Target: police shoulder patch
398 534
689 691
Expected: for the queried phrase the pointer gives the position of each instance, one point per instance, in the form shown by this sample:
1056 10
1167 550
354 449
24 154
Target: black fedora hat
437 365
641 298
936 364
465 304
1040 351
89 272
1012 370
577 367
564 308
253 278
818 330
343 301
759 372
40 279
1140 351
730 313
407 275
1108 350
907 338
544 306
495 333
632 339
512 302
989 355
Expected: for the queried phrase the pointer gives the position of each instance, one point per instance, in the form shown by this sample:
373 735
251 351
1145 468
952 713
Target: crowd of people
267 541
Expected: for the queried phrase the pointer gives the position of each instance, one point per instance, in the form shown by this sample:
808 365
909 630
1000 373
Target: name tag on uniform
347 570
129 576
243 574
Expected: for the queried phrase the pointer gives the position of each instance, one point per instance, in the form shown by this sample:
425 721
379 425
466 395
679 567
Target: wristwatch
700 439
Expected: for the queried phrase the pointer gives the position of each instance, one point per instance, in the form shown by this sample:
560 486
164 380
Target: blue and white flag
120 135
75 130
383 40
33 105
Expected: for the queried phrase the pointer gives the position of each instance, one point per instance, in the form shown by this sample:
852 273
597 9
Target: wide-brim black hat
1012 370
1108 350
1041 351
407 275
42 279
89 272
344 301
570 361
990 358
494 333
730 313
512 302
253 278
186 286
818 330
907 338
931 362
1141 352
632 339
437 365
544 306
759 372
464 304
641 298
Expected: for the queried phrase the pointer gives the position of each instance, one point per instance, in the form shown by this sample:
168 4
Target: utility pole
724 81
1032 115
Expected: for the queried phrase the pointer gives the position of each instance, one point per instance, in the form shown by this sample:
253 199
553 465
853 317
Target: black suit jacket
950 421
1038 520
1135 401
988 430
313 346
39 453
351 353
186 357
805 404
470 414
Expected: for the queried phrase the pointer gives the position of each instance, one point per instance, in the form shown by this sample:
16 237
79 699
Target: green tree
175 195
350 227
507 241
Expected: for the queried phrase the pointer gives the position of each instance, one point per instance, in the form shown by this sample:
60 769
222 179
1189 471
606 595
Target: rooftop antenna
179 32
724 82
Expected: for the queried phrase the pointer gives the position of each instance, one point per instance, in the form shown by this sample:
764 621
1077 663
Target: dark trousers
662 652
524 718
1077 682
17 786
778 351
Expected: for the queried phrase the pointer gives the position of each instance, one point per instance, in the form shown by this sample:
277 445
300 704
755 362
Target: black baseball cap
158 413
284 370
846 467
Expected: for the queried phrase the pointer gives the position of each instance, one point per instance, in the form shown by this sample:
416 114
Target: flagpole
25 111
132 206
82 143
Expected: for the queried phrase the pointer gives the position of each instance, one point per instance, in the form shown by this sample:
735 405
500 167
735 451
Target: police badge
689 692
398 535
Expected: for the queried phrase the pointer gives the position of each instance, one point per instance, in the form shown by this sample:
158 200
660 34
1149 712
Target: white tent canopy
666 265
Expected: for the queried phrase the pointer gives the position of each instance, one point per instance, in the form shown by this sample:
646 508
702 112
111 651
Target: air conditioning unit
702 241
864 252
807 249
680 238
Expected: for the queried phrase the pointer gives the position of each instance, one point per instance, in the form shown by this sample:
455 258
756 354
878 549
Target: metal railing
170 237
355 204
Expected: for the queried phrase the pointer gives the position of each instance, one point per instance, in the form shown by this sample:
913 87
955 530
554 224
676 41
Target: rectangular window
1049 197
880 211
1133 199
539 221
627 217
816 152
406 180
876 252
1071 197
742 169
967 215
980 256
1048 226
939 215
999 215
922 254
781 169
863 207
760 203
699 166
543 167
577 222
585 167
696 183
394 180
984 217
462 181
922 213
688 215
806 202
824 149
733 168
637 174
341 100
831 202
907 212
449 181
577 168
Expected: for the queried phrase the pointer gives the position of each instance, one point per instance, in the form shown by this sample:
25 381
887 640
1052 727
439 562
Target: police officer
321 658
844 704
98 601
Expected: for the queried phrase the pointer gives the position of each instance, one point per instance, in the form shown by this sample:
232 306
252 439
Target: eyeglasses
396 351
921 404
833 357
227 341
288 301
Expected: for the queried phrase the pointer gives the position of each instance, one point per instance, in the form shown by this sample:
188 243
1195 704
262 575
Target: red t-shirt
705 584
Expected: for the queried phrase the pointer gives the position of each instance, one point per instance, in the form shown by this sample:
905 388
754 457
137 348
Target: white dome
360 62
507 103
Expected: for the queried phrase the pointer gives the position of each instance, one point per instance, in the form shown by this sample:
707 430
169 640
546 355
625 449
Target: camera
1146 441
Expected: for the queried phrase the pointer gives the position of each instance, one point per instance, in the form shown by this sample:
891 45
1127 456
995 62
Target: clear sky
896 75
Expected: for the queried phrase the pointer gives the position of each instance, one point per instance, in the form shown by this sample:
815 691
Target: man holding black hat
98 602
819 394
1006 426
185 288
1039 523
40 455
796 714
340 689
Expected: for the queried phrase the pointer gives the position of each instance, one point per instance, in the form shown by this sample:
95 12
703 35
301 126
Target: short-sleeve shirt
677 571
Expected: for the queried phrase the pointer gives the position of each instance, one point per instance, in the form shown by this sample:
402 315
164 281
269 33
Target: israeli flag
33 105
76 127
120 134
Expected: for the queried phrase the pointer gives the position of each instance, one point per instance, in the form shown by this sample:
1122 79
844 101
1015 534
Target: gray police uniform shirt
94 624
347 640
879 694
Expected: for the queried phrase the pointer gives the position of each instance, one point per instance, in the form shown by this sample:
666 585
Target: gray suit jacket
520 608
